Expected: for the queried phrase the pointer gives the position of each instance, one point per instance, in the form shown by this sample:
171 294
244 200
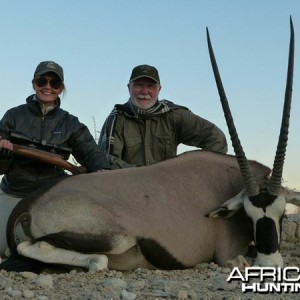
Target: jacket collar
37 106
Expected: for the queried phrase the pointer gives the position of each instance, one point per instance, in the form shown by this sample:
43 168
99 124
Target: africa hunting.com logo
265 280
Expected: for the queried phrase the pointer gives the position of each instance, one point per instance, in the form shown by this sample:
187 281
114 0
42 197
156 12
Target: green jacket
148 140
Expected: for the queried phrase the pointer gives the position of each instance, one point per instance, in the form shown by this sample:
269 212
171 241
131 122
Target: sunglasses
54 83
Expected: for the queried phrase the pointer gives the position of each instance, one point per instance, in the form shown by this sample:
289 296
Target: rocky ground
205 281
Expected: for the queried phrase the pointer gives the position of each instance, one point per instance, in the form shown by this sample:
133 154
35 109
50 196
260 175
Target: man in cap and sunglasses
42 118
146 130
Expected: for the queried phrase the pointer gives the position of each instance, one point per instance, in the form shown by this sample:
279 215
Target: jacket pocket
133 149
132 142
166 144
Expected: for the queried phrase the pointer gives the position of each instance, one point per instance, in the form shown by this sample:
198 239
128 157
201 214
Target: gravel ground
205 281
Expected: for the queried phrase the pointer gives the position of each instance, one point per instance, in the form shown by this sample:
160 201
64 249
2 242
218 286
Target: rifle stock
47 157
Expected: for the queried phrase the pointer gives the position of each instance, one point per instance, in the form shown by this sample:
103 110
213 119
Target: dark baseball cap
144 71
49 67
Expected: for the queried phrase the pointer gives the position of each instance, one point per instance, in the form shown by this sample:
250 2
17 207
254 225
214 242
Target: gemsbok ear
229 207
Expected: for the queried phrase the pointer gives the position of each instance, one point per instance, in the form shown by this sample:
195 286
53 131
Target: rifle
44 156
18 136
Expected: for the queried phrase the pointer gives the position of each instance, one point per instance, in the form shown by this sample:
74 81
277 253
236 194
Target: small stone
182 294
28 294
45 281
127 295
28 275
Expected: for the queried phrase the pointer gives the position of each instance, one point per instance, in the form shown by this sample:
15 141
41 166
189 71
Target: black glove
5 153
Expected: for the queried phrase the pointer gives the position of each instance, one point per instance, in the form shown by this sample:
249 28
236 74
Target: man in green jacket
145 130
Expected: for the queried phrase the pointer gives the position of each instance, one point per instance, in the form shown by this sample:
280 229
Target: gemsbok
160 216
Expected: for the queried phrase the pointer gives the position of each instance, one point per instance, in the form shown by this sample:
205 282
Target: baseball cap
144 71
49 66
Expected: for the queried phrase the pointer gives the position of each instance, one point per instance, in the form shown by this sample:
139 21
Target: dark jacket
23 175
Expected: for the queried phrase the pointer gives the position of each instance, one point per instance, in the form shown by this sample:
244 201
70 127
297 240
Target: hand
6 148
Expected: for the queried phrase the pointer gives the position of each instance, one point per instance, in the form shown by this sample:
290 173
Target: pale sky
98 42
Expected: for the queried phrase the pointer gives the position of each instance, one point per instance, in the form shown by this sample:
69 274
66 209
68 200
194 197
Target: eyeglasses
54 83
140 85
